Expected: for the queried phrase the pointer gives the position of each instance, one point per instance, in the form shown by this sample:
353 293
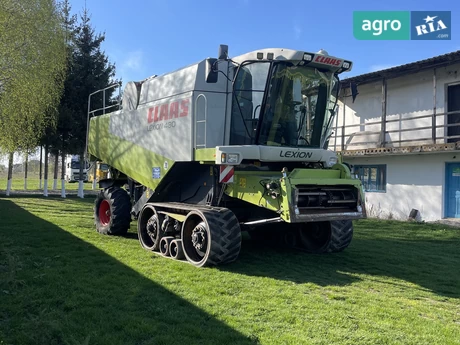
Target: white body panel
177 112
276 154
164 126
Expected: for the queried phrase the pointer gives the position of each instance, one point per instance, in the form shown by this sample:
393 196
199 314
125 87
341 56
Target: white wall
413 182
407 96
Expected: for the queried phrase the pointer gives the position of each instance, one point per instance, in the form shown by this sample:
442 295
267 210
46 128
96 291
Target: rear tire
112 211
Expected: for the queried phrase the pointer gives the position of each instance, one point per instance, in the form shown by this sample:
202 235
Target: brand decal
328 61
295 154
160 116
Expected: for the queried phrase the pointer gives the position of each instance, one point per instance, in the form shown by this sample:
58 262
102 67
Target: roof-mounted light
307 57
260 56
270 56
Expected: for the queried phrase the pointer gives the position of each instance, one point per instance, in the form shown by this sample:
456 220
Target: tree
90 71
56 137
32 61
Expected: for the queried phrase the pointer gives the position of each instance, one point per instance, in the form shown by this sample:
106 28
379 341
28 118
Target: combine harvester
223 146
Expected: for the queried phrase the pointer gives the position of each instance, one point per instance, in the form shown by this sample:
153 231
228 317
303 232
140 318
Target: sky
147 37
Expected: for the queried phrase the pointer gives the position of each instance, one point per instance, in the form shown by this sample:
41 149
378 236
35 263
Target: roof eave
394 72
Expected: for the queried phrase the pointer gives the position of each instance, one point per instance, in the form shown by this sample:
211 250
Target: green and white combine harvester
201 154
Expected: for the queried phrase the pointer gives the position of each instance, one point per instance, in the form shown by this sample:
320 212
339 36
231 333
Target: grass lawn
63 283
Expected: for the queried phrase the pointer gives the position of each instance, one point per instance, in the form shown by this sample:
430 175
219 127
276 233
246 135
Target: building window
373 177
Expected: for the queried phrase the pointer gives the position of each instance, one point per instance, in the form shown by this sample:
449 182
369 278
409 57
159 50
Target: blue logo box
430 25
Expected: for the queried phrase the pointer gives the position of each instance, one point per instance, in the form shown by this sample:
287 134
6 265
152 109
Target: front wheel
326 237
112 211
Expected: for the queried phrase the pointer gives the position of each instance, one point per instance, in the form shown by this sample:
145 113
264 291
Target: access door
452 190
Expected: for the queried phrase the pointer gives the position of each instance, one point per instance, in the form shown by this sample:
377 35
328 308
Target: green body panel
247 186
129 158
205 155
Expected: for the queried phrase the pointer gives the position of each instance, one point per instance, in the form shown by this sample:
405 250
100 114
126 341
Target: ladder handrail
104 108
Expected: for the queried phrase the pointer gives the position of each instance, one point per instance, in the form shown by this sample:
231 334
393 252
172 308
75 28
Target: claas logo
168 111
328 61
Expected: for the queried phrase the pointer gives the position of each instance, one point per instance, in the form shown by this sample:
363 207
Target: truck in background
72 173
97 171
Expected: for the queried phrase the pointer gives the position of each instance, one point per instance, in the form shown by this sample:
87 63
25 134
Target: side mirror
211 74
354 91
223 52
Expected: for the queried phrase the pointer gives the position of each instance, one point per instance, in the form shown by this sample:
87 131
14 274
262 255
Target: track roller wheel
148 228
326 237
211 237
165 245
175 250
112 211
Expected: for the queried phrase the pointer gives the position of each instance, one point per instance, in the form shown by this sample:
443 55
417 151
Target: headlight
331 161
307 57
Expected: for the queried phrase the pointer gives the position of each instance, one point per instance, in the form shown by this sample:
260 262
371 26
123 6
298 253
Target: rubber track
225 236
120 211
341 235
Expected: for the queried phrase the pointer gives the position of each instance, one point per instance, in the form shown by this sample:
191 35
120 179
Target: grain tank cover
131 95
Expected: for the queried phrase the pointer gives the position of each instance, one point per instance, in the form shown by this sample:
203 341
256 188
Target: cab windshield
298 106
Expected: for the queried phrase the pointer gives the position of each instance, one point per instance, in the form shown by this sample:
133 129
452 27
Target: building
401 135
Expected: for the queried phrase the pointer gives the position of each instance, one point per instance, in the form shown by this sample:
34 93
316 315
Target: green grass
63 283
33 183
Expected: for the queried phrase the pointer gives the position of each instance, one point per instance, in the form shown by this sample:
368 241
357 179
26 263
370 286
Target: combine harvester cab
223 146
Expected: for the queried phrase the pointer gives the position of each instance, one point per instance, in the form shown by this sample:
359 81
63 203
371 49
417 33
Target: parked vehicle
72 173
224 146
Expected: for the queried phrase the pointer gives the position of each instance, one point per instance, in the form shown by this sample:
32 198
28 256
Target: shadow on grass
422 254
58 289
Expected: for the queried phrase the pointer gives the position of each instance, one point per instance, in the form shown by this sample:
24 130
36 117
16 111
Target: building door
452 191
453 110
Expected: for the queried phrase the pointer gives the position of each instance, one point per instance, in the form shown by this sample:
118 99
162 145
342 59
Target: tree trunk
56 167
40 173
10 173
26 167
45 188
63 174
